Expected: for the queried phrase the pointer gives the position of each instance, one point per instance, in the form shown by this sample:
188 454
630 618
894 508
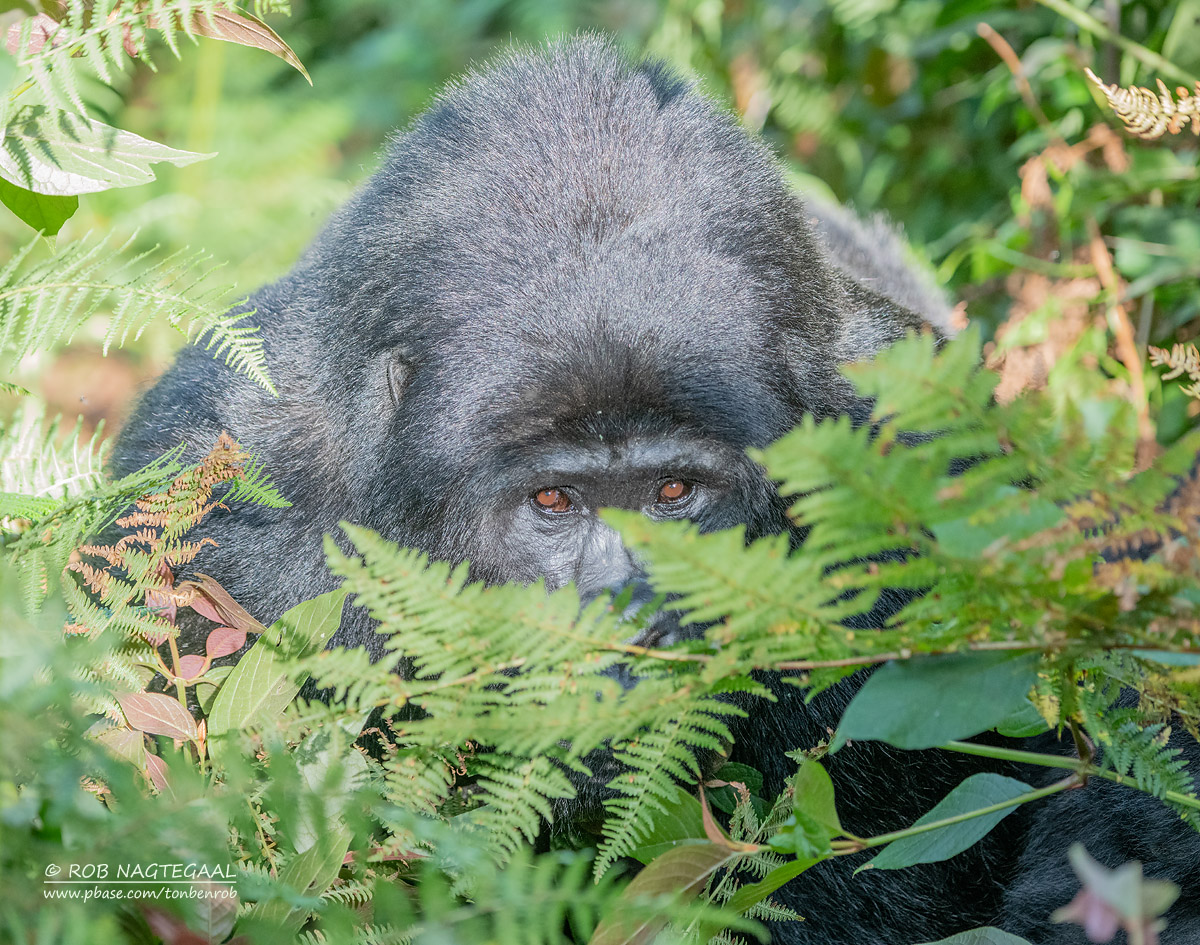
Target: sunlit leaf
59 153
263 682
157 714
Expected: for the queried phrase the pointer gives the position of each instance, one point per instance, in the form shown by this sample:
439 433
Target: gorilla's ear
399 373
887 291
871 321
876 293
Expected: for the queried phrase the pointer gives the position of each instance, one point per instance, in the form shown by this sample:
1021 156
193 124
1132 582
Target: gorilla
574 284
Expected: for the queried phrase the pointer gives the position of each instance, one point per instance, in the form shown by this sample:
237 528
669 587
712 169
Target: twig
1013 61
1127 350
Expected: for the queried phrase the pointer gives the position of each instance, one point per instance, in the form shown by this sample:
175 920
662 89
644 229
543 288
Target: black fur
573 271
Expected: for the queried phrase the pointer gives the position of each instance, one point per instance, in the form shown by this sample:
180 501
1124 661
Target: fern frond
1148 115
241 344
519 795
255 486
100 35
39 465
418 779
657 759
1181 359
352 892
42 546
361 935
44 303
1137 750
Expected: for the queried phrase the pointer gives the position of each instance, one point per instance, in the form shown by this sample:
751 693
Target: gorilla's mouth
585 813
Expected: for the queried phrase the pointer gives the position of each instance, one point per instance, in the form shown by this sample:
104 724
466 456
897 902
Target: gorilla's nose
661 628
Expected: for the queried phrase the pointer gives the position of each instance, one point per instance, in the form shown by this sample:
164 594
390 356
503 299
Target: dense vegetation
1075 245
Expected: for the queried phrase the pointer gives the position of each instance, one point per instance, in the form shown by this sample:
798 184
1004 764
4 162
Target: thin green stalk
1088 23
864 843
1081 768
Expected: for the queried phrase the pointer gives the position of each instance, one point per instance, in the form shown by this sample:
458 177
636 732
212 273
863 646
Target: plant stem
1089 24
180 685
1081 768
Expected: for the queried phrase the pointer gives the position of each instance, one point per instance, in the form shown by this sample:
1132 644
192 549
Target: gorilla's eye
674 491
553 500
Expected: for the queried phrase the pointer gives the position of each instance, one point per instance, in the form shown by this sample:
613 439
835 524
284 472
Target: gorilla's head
575 283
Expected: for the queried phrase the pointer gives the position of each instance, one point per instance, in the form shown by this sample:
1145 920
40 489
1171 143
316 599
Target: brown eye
552 500
674 491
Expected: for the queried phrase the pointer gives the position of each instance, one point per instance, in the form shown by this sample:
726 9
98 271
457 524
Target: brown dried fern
154 547
1149 115
1180 360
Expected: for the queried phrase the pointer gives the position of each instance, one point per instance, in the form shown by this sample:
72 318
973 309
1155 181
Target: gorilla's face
547 524
558 432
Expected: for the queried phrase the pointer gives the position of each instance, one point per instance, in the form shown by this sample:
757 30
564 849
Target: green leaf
59 153
264 680
307 874
320 754
814 821
1167 658
678 873
680 823
8 65
988 935
726 798
751 895
41 211
208 685
1012 514
742 774
976 792
1023 722
927 701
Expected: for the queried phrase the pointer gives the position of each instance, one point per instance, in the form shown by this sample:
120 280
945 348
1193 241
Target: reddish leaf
190 667
171 929
162 602
42 31
204 607
156 771
157 714
229 611
223 641
125 743
682 871
215 912
245 30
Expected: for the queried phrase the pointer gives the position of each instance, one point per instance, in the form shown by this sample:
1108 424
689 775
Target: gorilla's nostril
662 631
